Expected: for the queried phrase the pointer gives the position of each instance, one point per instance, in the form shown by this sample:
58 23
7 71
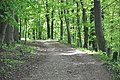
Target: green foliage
110 65
34 12
11 58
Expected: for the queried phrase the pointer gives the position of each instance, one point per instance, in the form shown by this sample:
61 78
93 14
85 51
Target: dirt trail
56 61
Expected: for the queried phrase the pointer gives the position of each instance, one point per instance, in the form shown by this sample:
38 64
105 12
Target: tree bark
48 20
26 30
9 35
3 27
67 24
52 24
40 30
61 23
79 42
85 26
98 26
20 29
16 30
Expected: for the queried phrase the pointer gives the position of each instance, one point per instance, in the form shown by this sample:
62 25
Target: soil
56 61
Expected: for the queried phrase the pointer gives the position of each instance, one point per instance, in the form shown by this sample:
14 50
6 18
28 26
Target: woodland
87 24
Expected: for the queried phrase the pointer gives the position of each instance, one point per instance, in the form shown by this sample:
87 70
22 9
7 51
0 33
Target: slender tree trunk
119 29
33 34
26 31
40 30
73 27
48 20
61 28
98 26
68 24
20 27
79 42
52 24
85 26
61 23
85 29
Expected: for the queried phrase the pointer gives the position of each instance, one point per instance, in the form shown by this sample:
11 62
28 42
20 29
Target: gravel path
56 61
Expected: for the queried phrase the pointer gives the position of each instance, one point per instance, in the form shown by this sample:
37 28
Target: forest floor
56 61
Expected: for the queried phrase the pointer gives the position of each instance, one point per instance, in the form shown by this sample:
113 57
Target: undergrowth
10 58
110 65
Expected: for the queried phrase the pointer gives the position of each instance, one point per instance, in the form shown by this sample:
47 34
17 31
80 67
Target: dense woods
90 24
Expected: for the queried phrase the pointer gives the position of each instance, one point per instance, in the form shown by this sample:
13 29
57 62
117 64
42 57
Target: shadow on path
56 61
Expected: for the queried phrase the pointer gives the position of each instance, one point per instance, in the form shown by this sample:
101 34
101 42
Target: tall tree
67 23
61 21
98 26
92 36
47 19
79 42
85 25
52 22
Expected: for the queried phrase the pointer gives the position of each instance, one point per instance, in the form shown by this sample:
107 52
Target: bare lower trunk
98 26
16 30
79 42
52 24
85 26
9 35
68 30
48 20
61 23
3 27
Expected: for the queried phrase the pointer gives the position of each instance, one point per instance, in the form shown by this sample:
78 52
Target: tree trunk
40 30
73 26
3 27
67 24
9 35
98 26
61 23
33 33
20 27
79 42
48 20
85 27
16 31
52 24
26 31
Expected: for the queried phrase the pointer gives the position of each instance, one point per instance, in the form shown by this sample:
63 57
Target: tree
47 19
67 23
3 24
78 26
9 35
52 22
85 25
61 21
98 26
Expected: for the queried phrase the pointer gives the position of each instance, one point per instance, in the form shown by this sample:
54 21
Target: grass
11 58
114 67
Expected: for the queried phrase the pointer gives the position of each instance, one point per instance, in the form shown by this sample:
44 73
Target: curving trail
56 61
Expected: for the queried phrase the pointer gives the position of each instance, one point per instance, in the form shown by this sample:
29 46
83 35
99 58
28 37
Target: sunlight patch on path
75 52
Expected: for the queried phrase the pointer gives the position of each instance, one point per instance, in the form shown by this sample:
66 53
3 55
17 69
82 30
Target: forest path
56 61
